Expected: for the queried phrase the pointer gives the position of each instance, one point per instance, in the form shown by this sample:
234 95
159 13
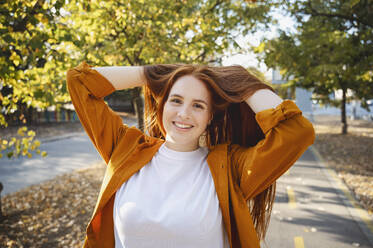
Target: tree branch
218 2
201 56
314 12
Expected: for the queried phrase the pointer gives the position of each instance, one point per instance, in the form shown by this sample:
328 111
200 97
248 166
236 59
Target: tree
161 31
332 50
40 40
33 60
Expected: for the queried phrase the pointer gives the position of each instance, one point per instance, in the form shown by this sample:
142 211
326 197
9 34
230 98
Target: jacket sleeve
87 88
287 136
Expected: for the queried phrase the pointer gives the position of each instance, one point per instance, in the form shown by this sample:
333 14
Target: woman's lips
182 126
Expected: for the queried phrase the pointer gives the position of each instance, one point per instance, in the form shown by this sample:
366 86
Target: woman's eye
198 106
175 100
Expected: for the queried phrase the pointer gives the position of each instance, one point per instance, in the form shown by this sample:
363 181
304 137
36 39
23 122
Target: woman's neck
181 147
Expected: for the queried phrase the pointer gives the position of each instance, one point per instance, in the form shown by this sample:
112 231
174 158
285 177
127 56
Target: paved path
64 155
311 210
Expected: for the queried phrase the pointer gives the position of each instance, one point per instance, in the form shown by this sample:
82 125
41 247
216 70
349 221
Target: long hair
233 120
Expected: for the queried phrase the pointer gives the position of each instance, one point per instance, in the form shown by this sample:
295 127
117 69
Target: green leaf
354 2
10 154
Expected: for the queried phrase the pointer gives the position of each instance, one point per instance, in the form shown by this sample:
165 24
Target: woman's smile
182 126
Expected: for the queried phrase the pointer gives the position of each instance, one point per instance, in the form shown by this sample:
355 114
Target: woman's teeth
182 125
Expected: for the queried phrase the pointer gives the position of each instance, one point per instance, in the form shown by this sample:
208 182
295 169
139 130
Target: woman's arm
123 77
287 135
87 88
262 100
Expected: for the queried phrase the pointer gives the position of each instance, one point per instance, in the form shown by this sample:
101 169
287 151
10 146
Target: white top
170 202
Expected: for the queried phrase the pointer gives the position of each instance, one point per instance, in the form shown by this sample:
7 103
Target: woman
203 173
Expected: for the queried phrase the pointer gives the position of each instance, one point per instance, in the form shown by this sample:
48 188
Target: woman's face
186 113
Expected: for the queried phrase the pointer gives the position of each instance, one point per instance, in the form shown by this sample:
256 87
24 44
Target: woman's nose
183 113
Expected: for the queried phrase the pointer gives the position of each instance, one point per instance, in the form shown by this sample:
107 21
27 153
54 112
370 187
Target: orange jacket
126 150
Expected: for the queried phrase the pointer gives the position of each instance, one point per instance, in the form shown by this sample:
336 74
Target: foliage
332 49
21 145
34 55
41 39
161 31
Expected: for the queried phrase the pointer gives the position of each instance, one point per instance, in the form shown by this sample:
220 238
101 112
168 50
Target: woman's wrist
263 99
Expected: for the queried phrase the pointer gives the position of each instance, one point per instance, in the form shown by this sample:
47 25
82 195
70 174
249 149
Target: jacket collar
218 164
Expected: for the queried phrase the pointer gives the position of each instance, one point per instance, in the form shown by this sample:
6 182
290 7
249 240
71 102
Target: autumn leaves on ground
349 155
55 213
52 214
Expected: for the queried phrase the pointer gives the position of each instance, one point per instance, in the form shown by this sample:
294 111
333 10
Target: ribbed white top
170 202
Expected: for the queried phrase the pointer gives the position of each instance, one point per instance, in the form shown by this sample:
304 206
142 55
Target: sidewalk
66 152
312 210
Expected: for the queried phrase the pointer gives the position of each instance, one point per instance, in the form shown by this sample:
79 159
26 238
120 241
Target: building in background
303 97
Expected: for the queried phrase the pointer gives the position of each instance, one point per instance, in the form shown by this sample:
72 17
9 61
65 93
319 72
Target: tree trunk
139 107
343 111
29 115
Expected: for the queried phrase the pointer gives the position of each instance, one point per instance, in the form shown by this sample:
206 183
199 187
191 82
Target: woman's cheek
203 116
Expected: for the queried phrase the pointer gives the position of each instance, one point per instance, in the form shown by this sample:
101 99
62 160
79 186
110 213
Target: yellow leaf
20 132
44 20
15 58
37 143
31 133
260 48
44 154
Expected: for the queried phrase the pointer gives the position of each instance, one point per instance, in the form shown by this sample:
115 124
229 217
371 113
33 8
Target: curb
358 214
60 137
129 120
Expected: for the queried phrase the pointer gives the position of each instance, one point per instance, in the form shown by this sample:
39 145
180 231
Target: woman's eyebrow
196 100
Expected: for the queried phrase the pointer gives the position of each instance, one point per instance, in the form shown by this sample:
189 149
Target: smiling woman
162 188
186 114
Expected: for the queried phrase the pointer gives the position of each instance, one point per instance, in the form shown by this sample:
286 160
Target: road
311 211
64 155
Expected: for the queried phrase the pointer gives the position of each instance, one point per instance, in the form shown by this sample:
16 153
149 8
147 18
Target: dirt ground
349 155
52 214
